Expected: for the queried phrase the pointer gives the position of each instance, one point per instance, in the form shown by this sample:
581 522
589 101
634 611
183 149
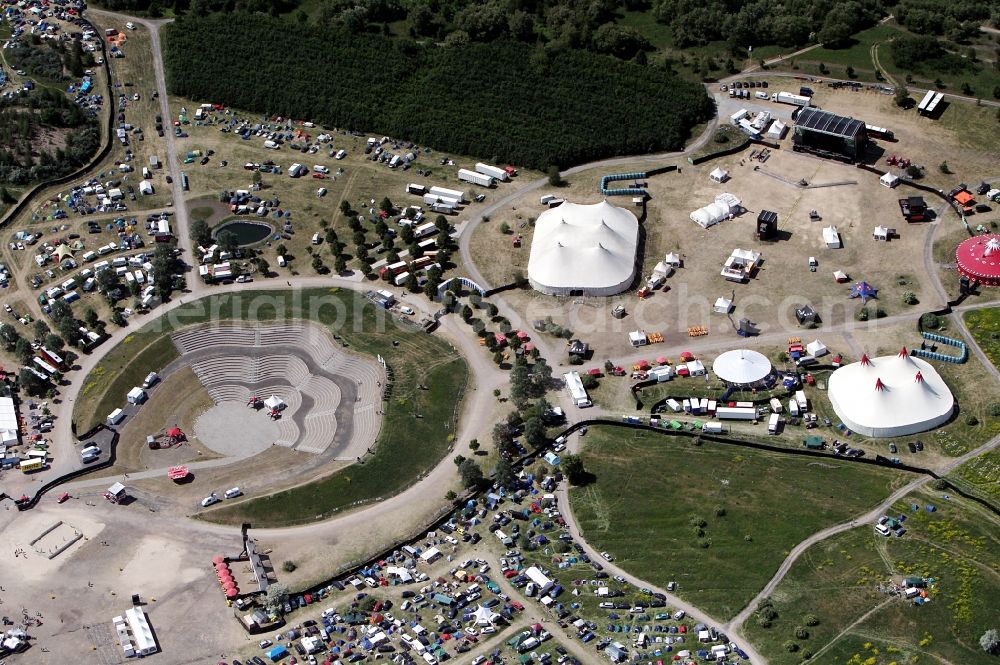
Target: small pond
246 232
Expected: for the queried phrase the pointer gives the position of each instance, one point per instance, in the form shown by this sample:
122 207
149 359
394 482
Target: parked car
233 492
209 500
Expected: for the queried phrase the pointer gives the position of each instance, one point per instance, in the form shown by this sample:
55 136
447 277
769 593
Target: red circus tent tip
903 352
865 360
919 378
878 384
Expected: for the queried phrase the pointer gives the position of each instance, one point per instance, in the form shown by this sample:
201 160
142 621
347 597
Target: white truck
774 424
446 193
481 179
789 98
492 171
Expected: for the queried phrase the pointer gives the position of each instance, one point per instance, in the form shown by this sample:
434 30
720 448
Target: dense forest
603 26
52 59
505 100
44 135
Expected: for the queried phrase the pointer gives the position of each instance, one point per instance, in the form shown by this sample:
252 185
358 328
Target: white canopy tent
719 175
889 180
880 233
742 367
723 306
890 396
585 249
725 206
816 348
274 403
777 130
672 259
840 276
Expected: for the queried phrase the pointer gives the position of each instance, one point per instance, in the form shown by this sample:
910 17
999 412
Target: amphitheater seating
280 365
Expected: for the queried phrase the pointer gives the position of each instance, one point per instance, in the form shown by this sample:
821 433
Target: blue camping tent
277 653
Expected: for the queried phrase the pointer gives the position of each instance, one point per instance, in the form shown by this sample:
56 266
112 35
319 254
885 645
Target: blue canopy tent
863 290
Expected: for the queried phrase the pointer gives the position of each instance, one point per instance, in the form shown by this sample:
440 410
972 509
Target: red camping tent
218 558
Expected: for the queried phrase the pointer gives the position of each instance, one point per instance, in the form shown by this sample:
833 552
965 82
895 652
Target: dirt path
868 518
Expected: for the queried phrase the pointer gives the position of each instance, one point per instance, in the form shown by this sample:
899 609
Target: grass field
837 581
652 491
984 324
980 476
105 387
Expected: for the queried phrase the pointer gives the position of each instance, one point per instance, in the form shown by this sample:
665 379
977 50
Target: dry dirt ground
76 594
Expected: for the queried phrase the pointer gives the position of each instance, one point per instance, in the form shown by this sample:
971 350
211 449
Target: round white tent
742 367
583 249
890 396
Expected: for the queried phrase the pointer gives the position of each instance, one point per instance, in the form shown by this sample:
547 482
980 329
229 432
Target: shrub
504 228
801 633
971 420
910 298
289 566
811 620
790 646
863 314
720 511
994 409
930 321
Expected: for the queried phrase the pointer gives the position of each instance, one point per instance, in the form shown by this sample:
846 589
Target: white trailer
432 199
401 278
735 413
425 230
789 98
776 405
492 171
800 399
447 193
465 175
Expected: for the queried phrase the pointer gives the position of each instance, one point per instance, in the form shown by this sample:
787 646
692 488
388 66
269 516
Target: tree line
504 100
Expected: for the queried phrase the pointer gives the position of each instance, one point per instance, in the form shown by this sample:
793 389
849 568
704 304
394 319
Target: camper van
282 262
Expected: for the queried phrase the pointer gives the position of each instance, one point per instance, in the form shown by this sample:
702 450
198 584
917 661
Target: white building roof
831 237
741 366
589 248
890 396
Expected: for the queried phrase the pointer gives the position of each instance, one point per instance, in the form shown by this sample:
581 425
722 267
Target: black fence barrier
79 473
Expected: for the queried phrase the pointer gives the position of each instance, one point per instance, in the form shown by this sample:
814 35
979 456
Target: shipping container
492 171
475 178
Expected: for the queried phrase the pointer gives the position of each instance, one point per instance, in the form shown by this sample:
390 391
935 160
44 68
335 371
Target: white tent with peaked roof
890 396
585 249
719 175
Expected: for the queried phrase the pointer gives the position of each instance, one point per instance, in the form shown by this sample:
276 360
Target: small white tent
889 180
719 175
816 348
839 275
880 233
146 187
777 130
723 306
831 237
672 259
274 403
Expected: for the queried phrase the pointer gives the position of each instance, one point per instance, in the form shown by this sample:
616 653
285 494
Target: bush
801 633
811 620
930 321
971 420
914 172
790 646
289 566
720 511
863 314
994 409
910 298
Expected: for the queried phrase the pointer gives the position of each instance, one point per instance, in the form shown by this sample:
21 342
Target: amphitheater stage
236 431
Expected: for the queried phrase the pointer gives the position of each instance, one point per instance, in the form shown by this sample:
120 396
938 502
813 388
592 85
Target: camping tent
63 252
719 175
725 206
672 259
839 275
880 233
889 180
274 403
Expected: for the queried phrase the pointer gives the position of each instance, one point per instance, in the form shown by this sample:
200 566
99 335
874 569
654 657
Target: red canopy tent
217 559
662 361
232 593
686 356
594 372
522 335
529 346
